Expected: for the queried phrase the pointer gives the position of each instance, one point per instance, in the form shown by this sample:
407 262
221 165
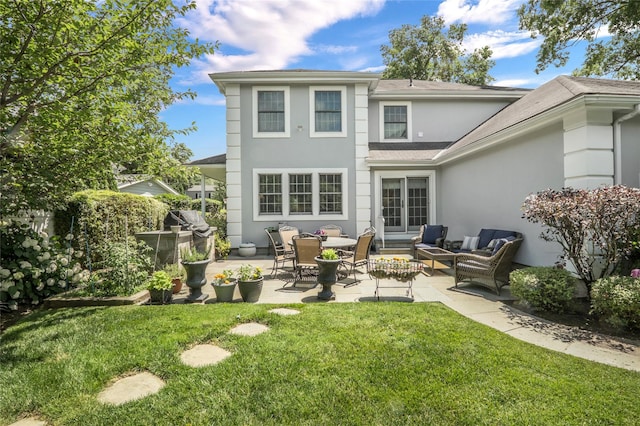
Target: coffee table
433 254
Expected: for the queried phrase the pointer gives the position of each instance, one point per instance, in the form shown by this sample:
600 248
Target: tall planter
327 276
224 292
250 290
160 297
196 278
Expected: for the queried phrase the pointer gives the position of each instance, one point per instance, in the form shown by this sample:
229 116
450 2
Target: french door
405 203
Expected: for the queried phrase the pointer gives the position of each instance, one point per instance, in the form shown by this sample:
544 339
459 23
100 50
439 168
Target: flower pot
177 285
160 297
327 276
196 278
250 290
224 292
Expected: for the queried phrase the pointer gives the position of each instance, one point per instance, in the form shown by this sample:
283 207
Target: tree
563 24
595 228
81 86
429 52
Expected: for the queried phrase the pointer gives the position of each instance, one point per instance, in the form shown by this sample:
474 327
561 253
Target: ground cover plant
363 363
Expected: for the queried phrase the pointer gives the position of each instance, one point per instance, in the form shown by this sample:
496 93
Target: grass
353 364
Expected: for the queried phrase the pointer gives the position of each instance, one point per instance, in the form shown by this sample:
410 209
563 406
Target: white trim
287 112
285 216
409 120
430 174
312 111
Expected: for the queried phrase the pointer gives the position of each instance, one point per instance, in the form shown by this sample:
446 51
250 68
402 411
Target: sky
340 35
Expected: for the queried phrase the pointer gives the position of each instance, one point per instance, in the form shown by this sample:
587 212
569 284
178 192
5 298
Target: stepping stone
131 388
284 311
249 329
203 355
31 421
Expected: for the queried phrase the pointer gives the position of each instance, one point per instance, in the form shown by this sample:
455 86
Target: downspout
617 143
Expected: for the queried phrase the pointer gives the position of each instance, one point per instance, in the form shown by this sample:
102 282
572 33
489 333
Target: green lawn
348 364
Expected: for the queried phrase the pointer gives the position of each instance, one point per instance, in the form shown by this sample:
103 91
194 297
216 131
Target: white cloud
267 34
479 11
515 82
504 44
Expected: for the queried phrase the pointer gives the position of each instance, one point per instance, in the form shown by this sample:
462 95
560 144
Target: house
195 192
143 185
313 147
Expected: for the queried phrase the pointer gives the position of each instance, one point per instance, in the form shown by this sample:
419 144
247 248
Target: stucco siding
487 190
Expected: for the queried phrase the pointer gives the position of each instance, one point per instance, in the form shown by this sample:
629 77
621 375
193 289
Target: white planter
247 249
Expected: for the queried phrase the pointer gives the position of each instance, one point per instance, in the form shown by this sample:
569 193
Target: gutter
617 143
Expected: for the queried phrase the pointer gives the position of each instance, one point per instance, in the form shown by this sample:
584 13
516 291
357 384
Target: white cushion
492 243
470 243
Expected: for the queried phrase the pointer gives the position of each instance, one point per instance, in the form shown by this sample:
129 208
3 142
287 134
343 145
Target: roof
126 180
216 159
442 89
550 95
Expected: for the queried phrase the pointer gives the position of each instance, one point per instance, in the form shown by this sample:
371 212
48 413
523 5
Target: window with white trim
328 107
300 194
395 121
270 111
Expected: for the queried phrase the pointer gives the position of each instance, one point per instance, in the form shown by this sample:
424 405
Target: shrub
617 300
223 247
34 266
546 288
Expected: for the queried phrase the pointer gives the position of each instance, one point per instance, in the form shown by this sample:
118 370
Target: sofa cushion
486 235
500 243
469 243
503 234
431 233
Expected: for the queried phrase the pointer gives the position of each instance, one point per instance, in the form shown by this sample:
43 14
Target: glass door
405 203
393 204
417 202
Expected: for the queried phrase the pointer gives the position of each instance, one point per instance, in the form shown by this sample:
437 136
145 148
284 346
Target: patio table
433 254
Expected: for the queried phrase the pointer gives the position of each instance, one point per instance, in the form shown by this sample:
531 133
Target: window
328 111
330 193
300 194
270 194
270 112
395 120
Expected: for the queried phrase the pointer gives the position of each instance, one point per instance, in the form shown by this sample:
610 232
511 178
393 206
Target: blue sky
341 35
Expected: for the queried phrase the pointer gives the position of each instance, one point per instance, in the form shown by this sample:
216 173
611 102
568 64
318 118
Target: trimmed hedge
543 287
617 300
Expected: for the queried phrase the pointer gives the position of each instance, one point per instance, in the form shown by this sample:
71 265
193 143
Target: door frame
404 174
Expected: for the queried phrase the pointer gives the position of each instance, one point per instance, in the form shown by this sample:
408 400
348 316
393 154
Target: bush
223 247
617 300
34 266
547 288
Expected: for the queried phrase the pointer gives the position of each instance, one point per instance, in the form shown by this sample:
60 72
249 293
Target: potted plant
159 286
195 263
322 234
177 274
224 284
250 281
328 263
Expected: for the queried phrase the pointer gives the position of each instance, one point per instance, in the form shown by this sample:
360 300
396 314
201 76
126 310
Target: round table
339 242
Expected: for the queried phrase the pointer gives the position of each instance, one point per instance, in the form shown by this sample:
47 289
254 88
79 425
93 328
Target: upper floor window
270 112
328 106
395 121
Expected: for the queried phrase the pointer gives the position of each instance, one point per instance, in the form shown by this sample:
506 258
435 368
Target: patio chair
333 230
286 234
281 256
430 236
489 271
306 249
359 256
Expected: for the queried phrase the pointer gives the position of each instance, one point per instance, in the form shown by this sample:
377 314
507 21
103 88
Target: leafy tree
595 228
81 86
429 52
565 23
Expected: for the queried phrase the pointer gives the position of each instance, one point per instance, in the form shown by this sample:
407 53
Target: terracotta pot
177 285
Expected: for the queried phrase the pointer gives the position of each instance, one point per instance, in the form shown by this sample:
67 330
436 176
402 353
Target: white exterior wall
234 189
363 177
487 190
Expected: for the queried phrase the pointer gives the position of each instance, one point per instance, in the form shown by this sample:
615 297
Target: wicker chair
306 249
435 237
281 255
360 255
489 271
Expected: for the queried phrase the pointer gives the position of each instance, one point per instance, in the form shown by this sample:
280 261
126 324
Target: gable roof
550 95
442 89
126 180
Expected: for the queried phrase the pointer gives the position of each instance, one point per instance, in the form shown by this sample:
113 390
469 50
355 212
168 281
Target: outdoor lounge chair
306 249
430 236
280 256
490 271
360 255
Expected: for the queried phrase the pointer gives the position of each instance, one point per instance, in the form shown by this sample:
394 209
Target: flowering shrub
617 300
547 288
593 227
224 277
249 273
34 266
398 268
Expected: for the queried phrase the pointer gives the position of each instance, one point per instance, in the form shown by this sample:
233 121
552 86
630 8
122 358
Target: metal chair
360 255
332 230
306 249
281 256
286 235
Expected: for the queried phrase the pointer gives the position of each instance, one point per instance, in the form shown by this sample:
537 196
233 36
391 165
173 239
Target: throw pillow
470 243
431 233
500 243
493 243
